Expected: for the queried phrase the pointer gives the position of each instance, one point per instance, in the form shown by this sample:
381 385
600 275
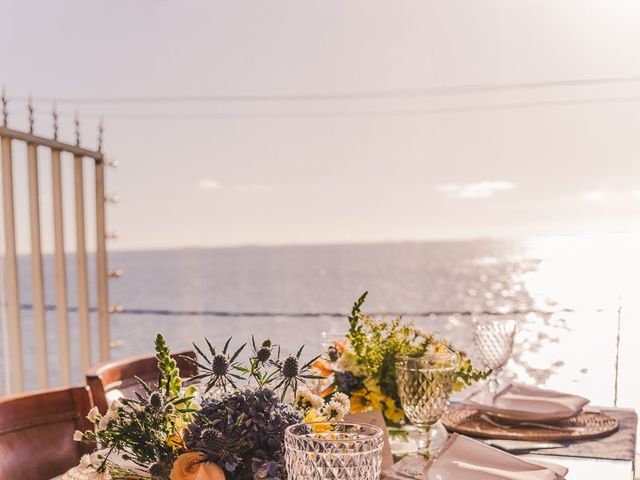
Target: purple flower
347 382
244 433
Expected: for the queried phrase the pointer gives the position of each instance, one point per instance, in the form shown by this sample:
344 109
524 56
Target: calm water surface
569 294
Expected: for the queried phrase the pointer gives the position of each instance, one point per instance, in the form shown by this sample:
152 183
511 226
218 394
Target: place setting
505 420
521 412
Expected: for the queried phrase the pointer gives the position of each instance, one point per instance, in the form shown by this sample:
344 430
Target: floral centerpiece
362 366
233 427
228 421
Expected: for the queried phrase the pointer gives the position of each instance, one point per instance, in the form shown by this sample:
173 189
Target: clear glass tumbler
493 338
333 451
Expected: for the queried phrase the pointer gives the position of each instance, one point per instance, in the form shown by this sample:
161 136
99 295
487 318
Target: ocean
570 296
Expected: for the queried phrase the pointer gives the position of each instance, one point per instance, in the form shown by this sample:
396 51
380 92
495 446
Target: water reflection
564 292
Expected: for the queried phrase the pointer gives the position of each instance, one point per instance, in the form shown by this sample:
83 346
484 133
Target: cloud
212 184
608 196
257 188
476 190
209 184
595 196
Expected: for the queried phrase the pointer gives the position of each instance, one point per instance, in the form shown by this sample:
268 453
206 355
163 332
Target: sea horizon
558 288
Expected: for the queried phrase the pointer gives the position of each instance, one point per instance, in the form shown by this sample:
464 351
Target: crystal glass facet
494 340
347 451
424 387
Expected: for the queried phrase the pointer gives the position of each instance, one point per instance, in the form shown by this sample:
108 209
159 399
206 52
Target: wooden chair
112 380
36 433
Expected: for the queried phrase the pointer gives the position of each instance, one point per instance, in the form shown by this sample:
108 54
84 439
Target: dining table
608 458
611 457
583 468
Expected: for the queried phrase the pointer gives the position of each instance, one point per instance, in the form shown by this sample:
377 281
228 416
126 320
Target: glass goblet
424 387
493 338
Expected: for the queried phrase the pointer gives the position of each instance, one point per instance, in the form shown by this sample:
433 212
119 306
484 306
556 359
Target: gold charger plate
585 425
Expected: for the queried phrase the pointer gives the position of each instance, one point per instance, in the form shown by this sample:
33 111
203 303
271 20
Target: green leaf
211 349
235 355
200 352
226 345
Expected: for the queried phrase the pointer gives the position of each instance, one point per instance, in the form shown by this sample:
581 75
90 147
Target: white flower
115 405
306 400
334 411
343 399
103 423
85 461
78 436
93 415
112 414
316 401
346 362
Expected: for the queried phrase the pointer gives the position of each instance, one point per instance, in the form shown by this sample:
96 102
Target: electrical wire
373 94
348 113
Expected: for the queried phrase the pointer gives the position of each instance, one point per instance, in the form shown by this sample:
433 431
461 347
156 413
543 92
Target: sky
356 128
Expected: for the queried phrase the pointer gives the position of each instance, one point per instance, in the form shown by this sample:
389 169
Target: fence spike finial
5 102
55 121
30 108
100 133
76 123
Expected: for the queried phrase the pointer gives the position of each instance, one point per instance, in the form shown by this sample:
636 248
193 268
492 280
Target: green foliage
141 430
467 374
149 430
170 381
378 344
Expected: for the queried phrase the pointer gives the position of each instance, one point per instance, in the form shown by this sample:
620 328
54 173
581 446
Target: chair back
36 432
111 380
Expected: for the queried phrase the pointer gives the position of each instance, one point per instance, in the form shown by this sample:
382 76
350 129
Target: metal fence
42 149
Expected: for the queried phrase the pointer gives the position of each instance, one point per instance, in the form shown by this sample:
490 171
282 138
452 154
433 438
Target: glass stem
424 441
493 380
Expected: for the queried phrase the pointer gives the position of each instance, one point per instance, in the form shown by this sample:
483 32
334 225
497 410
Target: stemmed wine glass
494 339
424 386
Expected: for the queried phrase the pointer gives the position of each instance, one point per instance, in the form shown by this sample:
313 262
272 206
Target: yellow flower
190 466
176 439
442 347
180 424
375 397
391 412
359 402
313 417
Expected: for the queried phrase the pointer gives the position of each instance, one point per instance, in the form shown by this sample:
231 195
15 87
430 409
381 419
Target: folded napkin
464 458
521 402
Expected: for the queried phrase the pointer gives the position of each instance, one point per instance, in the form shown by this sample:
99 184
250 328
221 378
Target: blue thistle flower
243 432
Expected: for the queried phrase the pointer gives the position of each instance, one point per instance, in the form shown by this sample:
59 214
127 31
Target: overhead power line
364 95
352 113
